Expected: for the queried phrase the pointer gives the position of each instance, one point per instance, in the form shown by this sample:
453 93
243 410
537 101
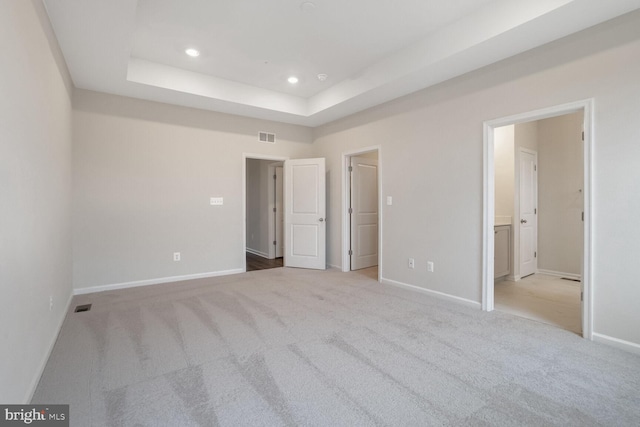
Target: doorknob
523 221
321 219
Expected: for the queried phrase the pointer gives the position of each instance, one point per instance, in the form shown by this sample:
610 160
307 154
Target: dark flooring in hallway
256 262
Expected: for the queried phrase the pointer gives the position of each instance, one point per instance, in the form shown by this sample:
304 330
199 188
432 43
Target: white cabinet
502 251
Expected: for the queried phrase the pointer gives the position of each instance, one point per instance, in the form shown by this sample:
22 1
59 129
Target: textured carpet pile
297 347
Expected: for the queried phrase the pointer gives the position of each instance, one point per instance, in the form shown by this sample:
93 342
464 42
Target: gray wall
560 201
143 176
432 165
35 163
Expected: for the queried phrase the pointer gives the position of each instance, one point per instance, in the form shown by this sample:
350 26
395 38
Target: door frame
587 107
271 195
516 239
346 189
246 156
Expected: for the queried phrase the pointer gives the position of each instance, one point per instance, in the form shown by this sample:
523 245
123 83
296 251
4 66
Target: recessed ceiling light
192 52
293 80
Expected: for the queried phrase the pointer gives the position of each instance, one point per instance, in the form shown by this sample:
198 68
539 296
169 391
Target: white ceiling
372 51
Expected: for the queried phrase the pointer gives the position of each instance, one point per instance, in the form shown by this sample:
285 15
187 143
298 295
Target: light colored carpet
299 347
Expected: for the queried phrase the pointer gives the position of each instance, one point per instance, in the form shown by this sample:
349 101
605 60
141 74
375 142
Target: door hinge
581 296
535 254
274 209
274 176
350 168
583 135
350 252
535 168
535 211
350 211
274 243
582 216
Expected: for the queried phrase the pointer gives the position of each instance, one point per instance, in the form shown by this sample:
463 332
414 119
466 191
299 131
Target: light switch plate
389 200
217 201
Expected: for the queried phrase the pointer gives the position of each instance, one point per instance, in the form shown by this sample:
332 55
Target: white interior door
528 222
279 213
364 212
305 213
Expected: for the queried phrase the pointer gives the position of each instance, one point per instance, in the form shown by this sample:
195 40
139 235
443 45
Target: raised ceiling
371 51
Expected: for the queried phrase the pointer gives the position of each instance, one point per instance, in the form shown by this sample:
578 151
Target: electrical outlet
50 302
430 266
176 256
412 263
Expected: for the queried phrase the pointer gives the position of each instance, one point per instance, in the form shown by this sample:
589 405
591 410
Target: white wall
560 199
35 162
143 176
504 162
258 206
432 165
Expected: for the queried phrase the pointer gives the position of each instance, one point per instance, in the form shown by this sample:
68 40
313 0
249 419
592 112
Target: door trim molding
587 107
346 235
246 156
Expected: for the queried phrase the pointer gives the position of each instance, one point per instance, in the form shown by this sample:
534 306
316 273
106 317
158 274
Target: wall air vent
269 138
82 308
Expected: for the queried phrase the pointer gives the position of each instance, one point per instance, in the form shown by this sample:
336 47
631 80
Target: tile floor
547 299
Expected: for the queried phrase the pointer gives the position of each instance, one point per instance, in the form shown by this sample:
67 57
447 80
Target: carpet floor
299 347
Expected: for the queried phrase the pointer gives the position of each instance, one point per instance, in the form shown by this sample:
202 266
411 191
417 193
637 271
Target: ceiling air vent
269 138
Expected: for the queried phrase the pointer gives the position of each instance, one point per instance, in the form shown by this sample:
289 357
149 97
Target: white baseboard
102 288
560 274
616 342
433 293
339 267
45 359
259 253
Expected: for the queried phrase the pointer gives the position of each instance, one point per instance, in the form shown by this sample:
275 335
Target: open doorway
302 196
537 216
362 213
264 235
538 211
